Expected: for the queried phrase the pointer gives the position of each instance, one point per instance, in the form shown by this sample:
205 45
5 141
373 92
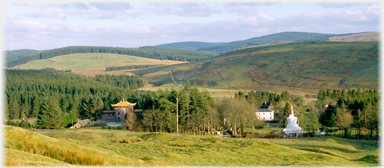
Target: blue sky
42 25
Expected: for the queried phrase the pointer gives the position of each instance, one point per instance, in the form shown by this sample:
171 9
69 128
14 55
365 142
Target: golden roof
123 104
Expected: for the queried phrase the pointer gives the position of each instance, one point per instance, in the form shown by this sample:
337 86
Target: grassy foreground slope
111 148
305 65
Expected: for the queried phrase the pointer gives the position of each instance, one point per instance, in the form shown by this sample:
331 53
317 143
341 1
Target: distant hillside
16 54
94 62
147 52
371 36
272 38
191 45
315 65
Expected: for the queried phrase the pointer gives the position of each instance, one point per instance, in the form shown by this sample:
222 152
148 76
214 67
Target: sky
42 25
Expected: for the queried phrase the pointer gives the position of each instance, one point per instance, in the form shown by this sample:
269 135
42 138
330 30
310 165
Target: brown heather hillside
309 65
371 36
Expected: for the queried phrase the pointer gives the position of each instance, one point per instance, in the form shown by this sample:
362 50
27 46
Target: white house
265 114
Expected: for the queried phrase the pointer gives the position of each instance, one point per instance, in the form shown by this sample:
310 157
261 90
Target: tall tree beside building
344 119
49 116
130 120
286 111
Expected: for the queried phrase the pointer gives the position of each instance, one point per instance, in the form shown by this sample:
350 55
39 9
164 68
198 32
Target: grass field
92 61
121 148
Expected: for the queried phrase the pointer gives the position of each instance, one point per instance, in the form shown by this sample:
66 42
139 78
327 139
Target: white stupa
292 126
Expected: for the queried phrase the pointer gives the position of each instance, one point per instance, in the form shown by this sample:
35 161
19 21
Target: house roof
264 110
123 104
84 122
266 104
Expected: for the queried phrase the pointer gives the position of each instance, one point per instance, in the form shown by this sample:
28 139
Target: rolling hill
304 65
160 53
371 36
16 54
190 45
272 38
90 64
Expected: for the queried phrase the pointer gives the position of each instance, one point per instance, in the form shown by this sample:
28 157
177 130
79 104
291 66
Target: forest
129 67
61 97
161 53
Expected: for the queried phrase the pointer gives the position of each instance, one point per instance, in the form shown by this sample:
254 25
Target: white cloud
32 34
342 5
181 9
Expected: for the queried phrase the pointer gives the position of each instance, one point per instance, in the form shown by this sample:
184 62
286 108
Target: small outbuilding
81 123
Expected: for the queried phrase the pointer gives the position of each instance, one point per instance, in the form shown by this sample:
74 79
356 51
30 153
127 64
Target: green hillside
305 65
91 61
16 54
191 45
272 38
123 148
147 52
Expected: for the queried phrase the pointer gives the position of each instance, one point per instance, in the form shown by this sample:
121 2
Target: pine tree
286 111
49 116
36 106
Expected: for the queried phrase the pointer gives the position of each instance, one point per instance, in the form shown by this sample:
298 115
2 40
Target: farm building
81 123
266 112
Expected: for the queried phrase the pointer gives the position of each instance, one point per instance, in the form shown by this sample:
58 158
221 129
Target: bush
129 140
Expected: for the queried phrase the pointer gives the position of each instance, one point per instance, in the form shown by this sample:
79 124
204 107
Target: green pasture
85 61
122 148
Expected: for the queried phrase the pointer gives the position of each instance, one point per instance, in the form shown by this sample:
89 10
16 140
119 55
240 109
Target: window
118 113
109 114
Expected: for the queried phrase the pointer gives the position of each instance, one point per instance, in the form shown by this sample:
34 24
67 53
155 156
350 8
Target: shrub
129 140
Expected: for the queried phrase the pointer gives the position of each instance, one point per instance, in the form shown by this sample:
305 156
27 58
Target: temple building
120 110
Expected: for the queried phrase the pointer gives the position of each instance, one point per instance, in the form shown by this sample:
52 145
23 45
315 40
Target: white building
265 114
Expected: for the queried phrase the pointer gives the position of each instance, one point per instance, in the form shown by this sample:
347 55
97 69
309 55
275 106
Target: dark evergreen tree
49 116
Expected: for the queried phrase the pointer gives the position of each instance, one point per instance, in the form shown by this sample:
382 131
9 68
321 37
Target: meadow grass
91 61
119 148
20 158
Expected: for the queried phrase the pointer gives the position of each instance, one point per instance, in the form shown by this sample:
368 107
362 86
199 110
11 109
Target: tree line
357 108
26 90
129 67
124 81
147 52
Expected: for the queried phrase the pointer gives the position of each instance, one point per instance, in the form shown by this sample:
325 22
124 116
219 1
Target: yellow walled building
121 109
